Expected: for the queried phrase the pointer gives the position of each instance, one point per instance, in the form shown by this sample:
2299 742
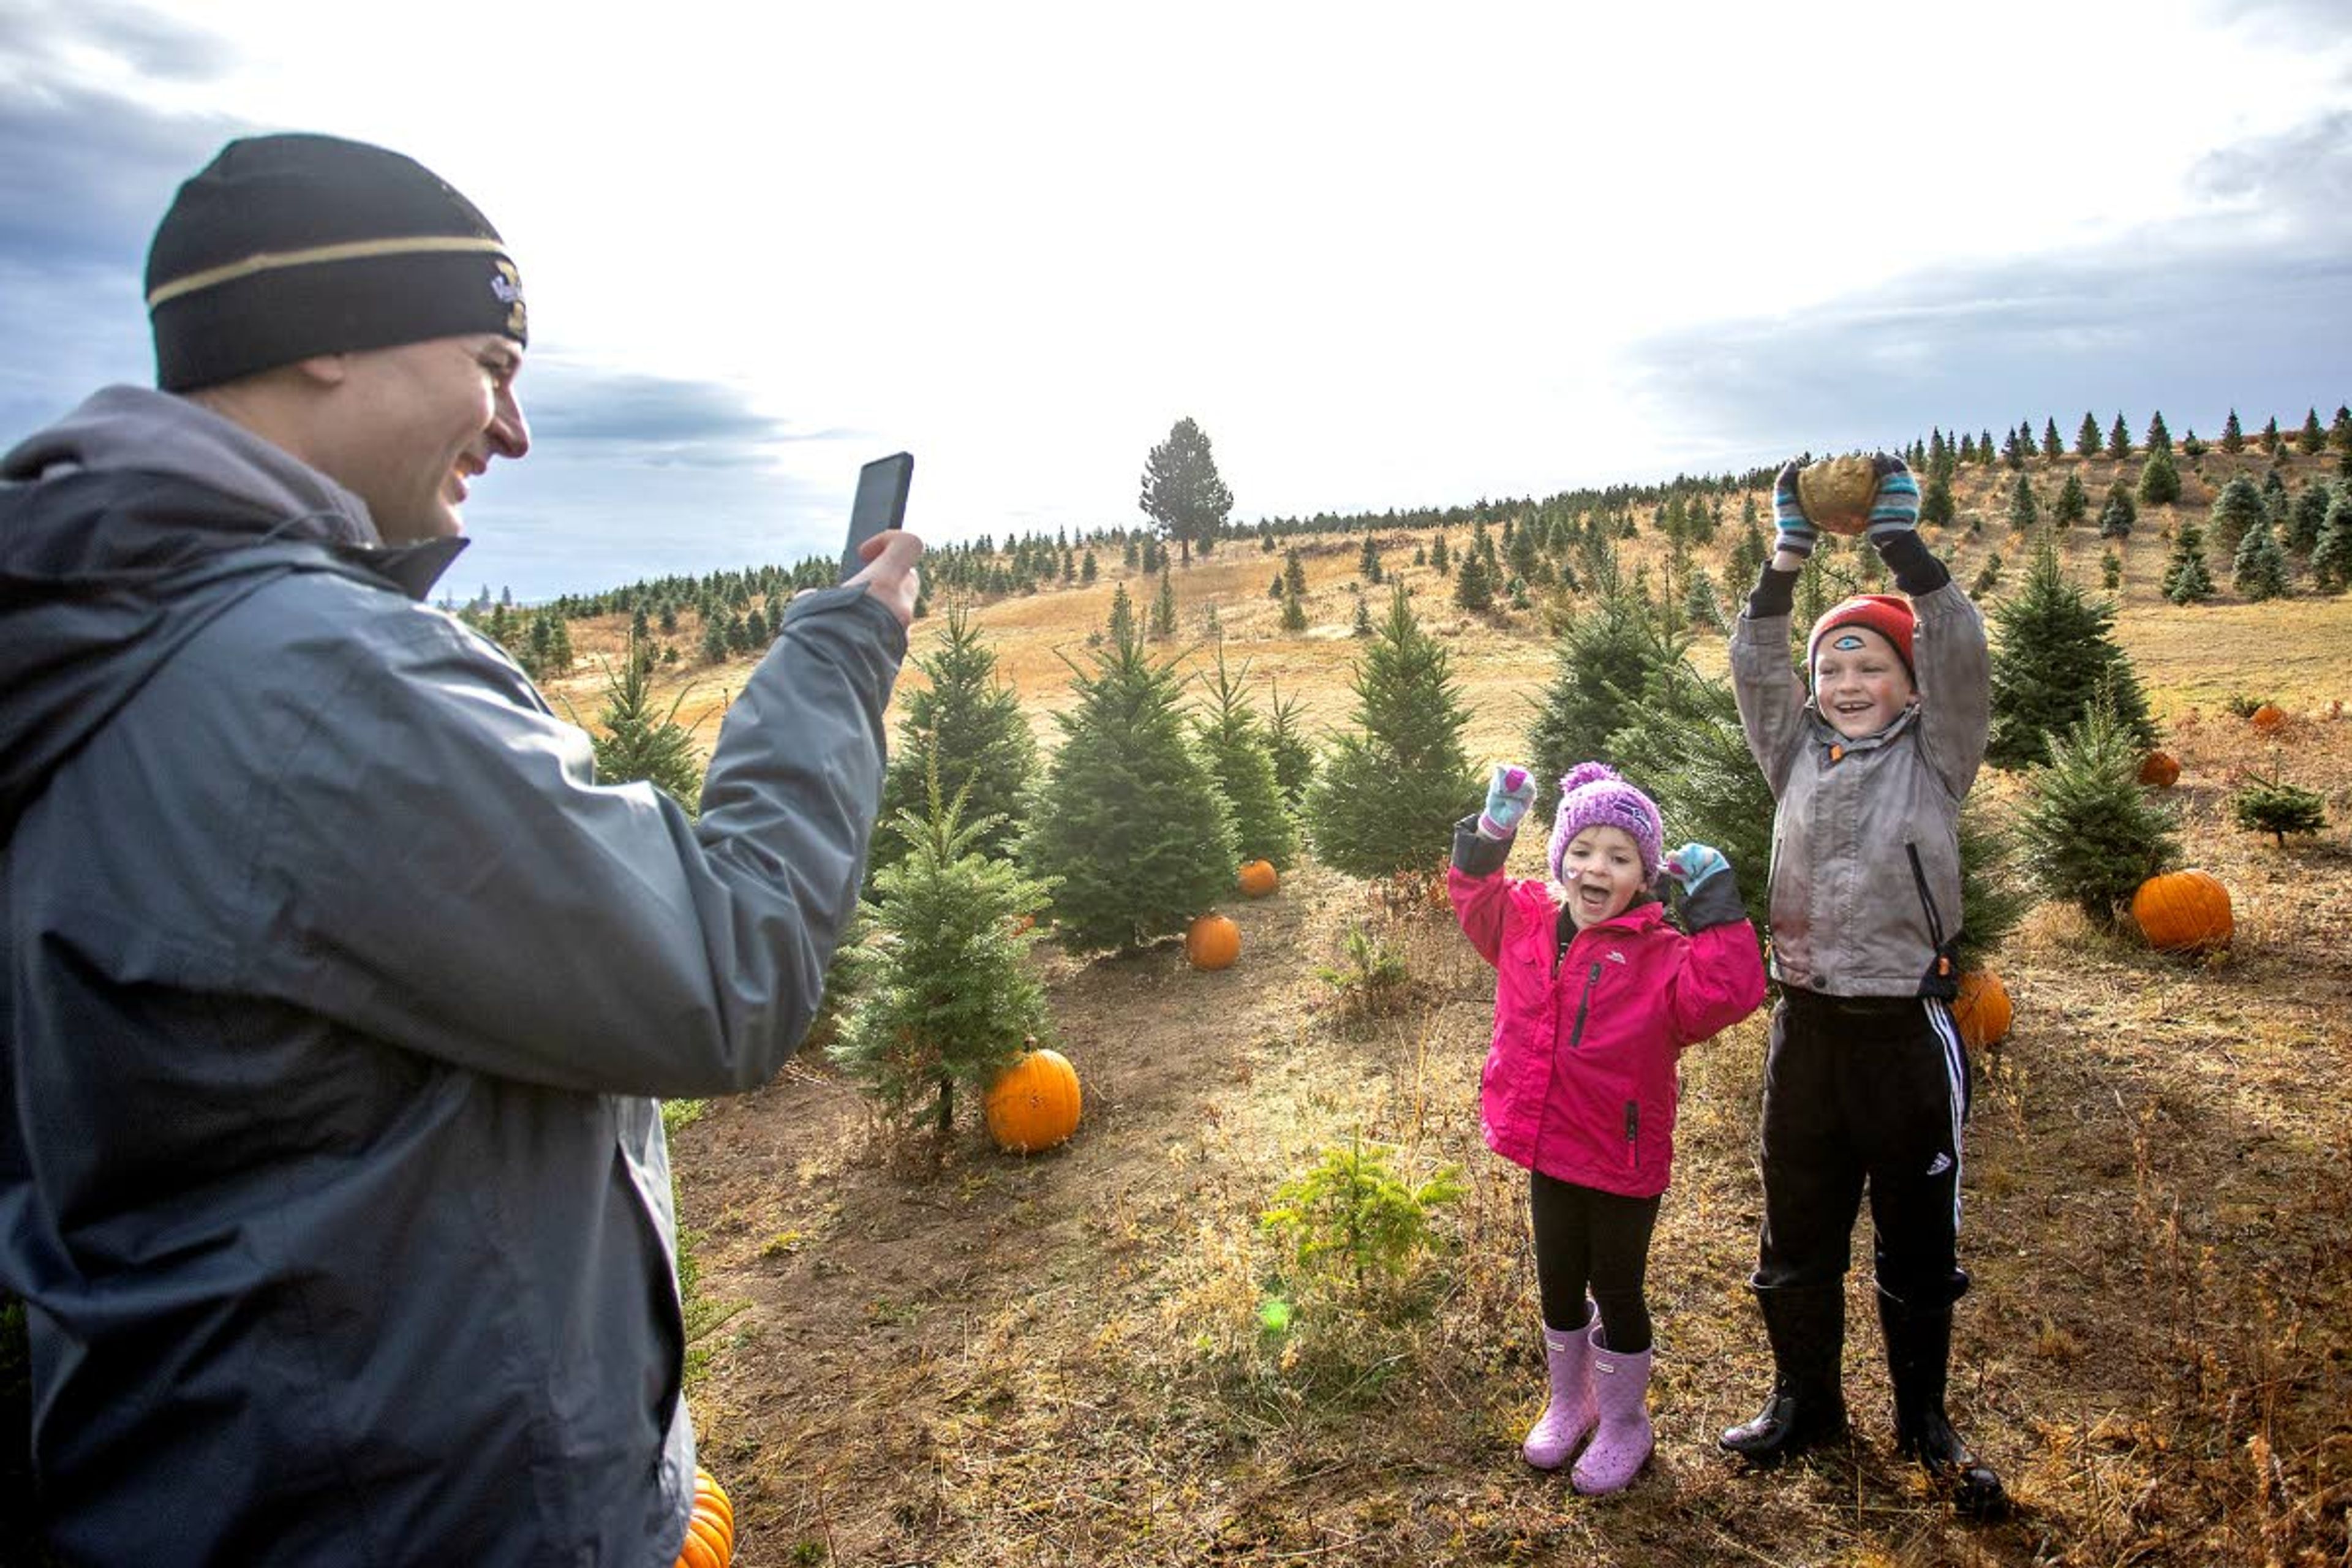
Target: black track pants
1864 1091
1587 1237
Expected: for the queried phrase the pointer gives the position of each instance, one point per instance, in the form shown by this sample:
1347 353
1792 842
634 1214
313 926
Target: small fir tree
1387 794
2233 434
2111 571
967 727
1293 610
2259 570
2052 652
2074 503
2187 579
1936 501
2236 509
2119 513
2089 831
1474 585
2311 440
1294 573
1287 742
2307 517
2086 438
1995 894
1439 562
2024 511
1233 743
946 996
2052 448
1361 626
2331 558
1129 825
1163 607
2159 481
1607 658
2267 806
2273 442
637 742
2118 439
2159 439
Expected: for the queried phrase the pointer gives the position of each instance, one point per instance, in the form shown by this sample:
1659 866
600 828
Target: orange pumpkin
2183 911
2267 718
1981 1009
1035 1104
1258 878
1213 943
2159 770
713 1522
696 1551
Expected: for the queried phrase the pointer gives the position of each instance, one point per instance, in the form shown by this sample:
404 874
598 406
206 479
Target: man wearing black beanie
334 992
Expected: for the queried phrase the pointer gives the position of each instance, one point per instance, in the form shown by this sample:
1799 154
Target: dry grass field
937 1353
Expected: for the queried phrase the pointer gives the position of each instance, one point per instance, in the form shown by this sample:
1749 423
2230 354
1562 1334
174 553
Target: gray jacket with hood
1865 896
333 991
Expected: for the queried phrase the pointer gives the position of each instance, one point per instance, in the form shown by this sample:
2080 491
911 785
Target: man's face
1859 682
421 420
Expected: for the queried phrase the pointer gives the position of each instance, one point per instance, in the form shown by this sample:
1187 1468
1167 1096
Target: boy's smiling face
1860 682
1600 870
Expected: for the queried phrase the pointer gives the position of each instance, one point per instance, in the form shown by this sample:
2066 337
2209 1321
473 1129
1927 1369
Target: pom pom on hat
1591 795
1888 615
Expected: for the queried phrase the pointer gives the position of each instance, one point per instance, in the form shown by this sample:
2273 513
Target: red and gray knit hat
1591 795
1888 615
287 246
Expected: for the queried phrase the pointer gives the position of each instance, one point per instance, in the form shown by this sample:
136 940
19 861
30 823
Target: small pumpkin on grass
1213 942
1982 1009
1034 1105
2267 717
2183 911
1259 878
2159 770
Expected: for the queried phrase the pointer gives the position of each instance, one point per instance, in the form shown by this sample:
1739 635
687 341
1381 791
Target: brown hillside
947 1355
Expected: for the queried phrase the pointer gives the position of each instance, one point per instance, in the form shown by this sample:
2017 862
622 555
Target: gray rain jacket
1865 832
332 992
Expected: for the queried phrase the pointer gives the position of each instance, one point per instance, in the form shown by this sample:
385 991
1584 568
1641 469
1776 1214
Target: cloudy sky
1385 255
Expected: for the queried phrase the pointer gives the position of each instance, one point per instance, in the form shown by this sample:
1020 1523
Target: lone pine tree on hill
2053 652
1389 793
1129 824
1183 492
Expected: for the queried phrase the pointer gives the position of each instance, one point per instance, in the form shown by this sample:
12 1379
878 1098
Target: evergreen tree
1995 895
1474 585
2159 439
2339 429
2052 447
637 742
2111 571
2055 649
966 728
1936 501
2258 569
2118 439
1604 664
1361 626
1293 610
2187 580
947 998
1368 561
1087 569
2233 434
1181 490
2236 510
2331 557
2074 503
1121 624
2089 832
2272 440
2014 451
1163 607
2086 440
1287 742
2159 481
1233 743
1294 573
1439 560
2120 514
1749 554
1387 796
2267 806
1701 603
2024 511
1129 825
2311 440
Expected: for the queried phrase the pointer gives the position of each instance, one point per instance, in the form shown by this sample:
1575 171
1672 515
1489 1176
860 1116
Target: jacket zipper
1575 1038
1926 898
1634 1134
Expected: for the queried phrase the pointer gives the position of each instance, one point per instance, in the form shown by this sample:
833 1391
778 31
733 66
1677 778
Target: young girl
1867 1082
1595 998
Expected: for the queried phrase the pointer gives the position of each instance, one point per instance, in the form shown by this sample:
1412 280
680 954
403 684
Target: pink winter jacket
1580 1082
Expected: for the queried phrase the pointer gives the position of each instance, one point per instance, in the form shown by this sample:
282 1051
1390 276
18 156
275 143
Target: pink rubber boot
1621 1390
1569 1415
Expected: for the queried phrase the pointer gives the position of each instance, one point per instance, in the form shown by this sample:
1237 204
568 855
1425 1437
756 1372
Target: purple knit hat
1593 795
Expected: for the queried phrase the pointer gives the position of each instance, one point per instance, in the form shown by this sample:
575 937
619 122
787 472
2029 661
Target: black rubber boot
1918 1355
1807 1328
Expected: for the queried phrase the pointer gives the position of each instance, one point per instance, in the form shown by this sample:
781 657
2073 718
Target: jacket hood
124 530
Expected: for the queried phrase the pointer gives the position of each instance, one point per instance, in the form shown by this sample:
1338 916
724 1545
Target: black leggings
1586 1237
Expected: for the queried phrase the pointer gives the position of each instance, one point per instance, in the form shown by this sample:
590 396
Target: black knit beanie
287 246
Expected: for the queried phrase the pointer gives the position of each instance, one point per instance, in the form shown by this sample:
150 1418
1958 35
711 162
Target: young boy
1867 1082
